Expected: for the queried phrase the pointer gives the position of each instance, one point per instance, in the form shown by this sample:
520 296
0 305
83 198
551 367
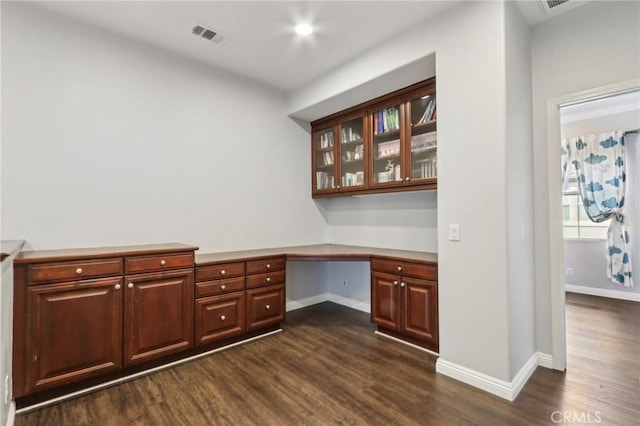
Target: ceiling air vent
547 5
208 34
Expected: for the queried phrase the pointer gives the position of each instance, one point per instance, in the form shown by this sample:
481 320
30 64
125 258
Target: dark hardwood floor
328 368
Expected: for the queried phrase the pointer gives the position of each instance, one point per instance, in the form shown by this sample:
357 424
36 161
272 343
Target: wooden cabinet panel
420 316
427 272
210 288
136 264
158 318
222 270
265 265
74 331
78 270
265 306
261 280
219 317
385 300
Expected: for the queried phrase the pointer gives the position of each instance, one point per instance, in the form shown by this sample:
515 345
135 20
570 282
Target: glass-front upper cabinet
324 159
386 148
422 159
352 153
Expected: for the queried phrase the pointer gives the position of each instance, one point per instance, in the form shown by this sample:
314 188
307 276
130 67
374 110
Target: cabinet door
74 331
385 300
265 306
352 149
219 317
158 316
324 166
420 314
387 136
421 160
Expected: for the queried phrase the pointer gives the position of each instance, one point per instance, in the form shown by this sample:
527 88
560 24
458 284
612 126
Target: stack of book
350 135
386 120
430 112
423 141
389 149
324 180
326 140
327 157
353 179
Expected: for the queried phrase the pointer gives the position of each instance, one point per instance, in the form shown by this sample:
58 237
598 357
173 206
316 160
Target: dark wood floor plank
329 368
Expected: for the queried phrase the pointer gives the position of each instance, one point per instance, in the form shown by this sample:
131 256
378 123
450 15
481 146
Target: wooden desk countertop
319 252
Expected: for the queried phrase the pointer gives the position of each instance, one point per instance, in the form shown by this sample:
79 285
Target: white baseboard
602 292
139 374
292 305
506 390
350 303
404 342
12 414
545 360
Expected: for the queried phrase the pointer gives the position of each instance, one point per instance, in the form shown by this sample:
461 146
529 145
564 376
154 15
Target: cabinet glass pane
386 145
424 144
352 153
324 144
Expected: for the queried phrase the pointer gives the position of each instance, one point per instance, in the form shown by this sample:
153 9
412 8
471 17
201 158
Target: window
575 222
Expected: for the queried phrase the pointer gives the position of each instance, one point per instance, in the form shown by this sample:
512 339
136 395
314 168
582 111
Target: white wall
469 47
106 141
593 46
588 258
521 282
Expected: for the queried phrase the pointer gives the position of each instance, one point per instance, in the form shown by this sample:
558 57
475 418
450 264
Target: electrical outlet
569 272
344 282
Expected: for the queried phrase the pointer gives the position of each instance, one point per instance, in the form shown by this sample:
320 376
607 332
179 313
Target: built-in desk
404 289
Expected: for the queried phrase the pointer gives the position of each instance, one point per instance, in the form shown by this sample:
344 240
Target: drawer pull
223 272
130 285
222 318
163 262
395 283
268 279
79 271
223 287
402 284
267 307
117 286
399 268
268 266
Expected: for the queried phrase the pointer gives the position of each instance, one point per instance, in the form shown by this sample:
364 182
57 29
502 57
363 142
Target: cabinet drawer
74 270
261 280
427 272
157 263
209 288
265 265
222 270
219 317
265 306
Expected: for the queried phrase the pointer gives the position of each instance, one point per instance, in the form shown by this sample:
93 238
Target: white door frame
556 247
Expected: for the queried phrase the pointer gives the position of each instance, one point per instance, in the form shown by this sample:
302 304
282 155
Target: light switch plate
454 232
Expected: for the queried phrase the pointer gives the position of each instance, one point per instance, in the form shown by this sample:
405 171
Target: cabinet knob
163 262
402 284
130 285
79 271
268 266
399 268
268 279
223 272
407 179
267 307
395 283
222 318
117 286
223 287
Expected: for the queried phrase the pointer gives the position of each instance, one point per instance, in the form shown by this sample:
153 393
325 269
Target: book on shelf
424 141
390 148
429 112
326 140
426 168
324 180
328 158
350 135
353 179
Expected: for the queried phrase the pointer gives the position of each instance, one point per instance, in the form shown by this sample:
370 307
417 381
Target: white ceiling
261 44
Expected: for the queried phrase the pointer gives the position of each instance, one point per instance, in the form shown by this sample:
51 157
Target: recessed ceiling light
304 29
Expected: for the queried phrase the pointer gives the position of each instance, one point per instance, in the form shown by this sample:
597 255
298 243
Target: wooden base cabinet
81 313
74 331
265 306
406 306
219 317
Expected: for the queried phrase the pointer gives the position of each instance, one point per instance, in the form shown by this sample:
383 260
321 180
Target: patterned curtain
599 161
